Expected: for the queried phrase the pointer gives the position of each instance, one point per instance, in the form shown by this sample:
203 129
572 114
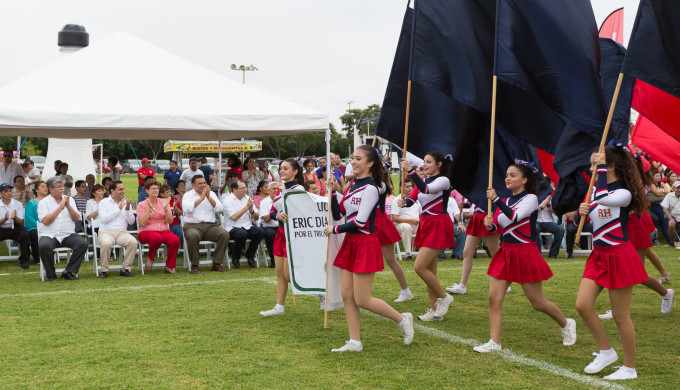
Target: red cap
145 160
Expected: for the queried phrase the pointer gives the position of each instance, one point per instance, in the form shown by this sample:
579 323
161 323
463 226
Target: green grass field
203 332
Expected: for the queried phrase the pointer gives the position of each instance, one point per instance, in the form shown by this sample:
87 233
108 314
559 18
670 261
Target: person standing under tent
9 169
189 173
111 163
142 173
172 175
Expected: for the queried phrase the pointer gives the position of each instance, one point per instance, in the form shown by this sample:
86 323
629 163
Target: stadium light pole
244 69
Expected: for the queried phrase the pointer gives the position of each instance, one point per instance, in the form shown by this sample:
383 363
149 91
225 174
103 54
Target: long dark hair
530 185
299 178
438 157
644 177
387 179
629 176
376 169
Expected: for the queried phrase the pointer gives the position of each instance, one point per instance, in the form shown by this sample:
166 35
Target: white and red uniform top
517 216
609 210
359 205
277 205
433 194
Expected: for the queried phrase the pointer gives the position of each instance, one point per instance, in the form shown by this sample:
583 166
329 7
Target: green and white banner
307 246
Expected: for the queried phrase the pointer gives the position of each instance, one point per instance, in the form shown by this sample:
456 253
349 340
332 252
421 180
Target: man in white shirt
406 219
9 169
12 223
239 214
189 173
199 206
269 226
453 208
115 214
58 214
671 208
546 223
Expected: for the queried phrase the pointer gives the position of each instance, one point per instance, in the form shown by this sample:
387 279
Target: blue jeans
177 230
460 241
556 230
663 222
141 194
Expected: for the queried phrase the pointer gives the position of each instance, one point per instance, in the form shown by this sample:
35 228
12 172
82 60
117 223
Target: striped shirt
517 216
433 194
358 204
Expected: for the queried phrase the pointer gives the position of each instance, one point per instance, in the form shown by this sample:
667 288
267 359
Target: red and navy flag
612 56
612 27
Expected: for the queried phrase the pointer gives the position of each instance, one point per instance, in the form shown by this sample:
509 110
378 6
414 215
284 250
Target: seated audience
80 197
115 214
180 189
20 192
176 210
546 223
92 211
239 214
257 198
199 206
155 215
406 219
106 183
671 209
58 215
312 187
91 181
32 173
12 223
269 226
570 235
31 218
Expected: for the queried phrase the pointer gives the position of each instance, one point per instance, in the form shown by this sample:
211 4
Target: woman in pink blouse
154 216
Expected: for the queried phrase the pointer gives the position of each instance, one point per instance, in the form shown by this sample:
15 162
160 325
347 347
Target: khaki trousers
107 239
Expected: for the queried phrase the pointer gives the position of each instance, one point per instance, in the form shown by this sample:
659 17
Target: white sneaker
667 302
601 361
488 347
273 312
665 279
349 347
429 316
606 316
457 288
442 305
407 328
508 290
569 332
622 373
404 296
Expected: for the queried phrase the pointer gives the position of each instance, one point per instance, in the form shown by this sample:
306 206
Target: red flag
612 27
657 106
657 143
546 160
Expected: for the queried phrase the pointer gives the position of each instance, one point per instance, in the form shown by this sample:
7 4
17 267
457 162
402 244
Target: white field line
456 268
516 358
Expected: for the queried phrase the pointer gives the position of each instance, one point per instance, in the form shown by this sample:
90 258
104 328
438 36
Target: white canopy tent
123 87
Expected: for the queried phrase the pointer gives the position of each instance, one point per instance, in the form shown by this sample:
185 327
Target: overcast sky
318 53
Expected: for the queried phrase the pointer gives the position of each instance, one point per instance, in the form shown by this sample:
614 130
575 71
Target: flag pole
330 218
491 143
408 108
600 150
281 188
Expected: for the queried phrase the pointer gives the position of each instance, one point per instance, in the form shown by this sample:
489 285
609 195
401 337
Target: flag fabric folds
612 55
657 143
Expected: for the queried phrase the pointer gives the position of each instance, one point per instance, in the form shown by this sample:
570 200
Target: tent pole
219 162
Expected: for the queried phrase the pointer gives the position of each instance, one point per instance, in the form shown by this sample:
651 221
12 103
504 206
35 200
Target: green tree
352 116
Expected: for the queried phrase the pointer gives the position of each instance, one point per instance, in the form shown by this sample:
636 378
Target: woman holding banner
613 264
435 230
360 257
518 259
291 173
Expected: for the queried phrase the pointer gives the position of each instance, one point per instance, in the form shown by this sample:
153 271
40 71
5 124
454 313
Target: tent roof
122 87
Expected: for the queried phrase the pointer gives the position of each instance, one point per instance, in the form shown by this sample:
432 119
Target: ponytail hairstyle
377 172
628 175
387 179
438 157
299 178
530 185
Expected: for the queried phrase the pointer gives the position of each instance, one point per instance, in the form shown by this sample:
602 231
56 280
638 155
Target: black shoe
126 273
103 275
457 257
408 258
272 265
570 255
552 256
68 276
236 263
50 278
24 264
251 262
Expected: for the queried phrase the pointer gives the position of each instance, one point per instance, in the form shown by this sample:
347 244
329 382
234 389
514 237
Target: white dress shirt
412 212
233 205
265 209
188 174
111 217
8 174
452 209
14 205
204 212
90 208
62 226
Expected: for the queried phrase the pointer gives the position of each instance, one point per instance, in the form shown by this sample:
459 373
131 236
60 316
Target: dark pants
47 245
20 235
459 240
240 235
663 222
571 236
35 250
177 230
556 230
141 193
269 234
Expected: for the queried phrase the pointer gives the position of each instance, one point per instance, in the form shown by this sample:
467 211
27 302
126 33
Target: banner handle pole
329 192
375 138
492 139
408 108
600 150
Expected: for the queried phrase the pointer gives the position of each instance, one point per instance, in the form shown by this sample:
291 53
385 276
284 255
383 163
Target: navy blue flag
549 90
438 122
612 55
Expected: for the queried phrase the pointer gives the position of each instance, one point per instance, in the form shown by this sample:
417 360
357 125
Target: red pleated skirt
638 233
615 266
519 263
360 254
280 243
476 226
647 222
435 231
385 229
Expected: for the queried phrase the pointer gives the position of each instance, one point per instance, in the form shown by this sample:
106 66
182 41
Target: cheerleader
613 264
518 259
388 236
475 231
291 173
435 230
359 257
